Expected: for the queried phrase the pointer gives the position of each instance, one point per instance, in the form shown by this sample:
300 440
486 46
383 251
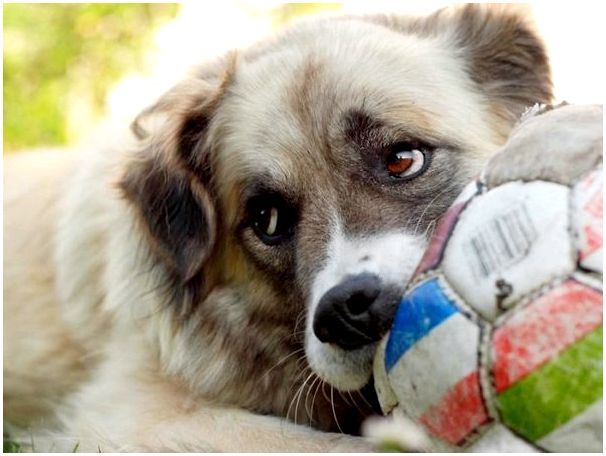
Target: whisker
300 394
354 401
302 361
293 385
361 408
299 350
343 397
334 413
420 219
296 402
310 411
431 226
363 398
290 404
298 321
313 399
324 392
296 395
302 371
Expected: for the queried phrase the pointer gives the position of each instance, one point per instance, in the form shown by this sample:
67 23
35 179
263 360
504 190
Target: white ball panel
499 439
509 242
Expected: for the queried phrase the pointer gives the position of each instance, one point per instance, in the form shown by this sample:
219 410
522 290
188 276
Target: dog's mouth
348 375
346 370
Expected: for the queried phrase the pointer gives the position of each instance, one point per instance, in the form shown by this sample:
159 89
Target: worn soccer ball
497 343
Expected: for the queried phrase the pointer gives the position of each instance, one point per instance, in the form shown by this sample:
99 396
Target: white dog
236 262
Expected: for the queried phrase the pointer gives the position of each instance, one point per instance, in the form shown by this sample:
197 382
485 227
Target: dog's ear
498 44
168 181
505 55
176 213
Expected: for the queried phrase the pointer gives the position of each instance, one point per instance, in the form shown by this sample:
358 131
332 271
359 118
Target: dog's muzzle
356 312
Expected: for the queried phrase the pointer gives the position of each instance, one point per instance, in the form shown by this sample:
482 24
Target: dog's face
292 190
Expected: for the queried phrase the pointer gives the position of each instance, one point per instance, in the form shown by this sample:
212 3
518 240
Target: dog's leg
233 430
128 407
159 421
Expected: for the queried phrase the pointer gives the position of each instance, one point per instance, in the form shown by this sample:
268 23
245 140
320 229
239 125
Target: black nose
353 313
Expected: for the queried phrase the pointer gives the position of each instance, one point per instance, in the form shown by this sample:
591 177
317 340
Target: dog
219 280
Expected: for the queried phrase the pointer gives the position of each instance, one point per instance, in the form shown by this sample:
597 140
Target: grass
9 445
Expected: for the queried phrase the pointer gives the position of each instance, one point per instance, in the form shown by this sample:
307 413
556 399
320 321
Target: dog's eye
271 218
405 161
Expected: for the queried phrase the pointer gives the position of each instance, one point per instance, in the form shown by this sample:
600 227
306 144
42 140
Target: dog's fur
142 311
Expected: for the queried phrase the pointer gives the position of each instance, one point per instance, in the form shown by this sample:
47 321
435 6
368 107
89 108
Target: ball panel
583 433
556 392
541 330
459 413
503 234
499 439
587 202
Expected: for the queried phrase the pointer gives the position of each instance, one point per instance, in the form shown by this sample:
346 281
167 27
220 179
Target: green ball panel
556 392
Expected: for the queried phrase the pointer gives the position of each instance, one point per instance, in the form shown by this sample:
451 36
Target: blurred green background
61 59
54 53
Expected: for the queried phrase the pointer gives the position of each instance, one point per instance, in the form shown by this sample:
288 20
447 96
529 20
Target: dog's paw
558 145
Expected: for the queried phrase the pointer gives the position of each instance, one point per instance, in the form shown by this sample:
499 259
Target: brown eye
405 162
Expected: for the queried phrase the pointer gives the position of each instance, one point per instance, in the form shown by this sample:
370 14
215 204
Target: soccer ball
497 342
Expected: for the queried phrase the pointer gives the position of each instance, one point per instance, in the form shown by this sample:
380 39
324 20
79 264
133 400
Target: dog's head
289 192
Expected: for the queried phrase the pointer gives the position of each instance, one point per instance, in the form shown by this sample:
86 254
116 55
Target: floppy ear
167 182
176 212
503 54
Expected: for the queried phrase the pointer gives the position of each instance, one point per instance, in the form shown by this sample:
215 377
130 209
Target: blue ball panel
418 313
